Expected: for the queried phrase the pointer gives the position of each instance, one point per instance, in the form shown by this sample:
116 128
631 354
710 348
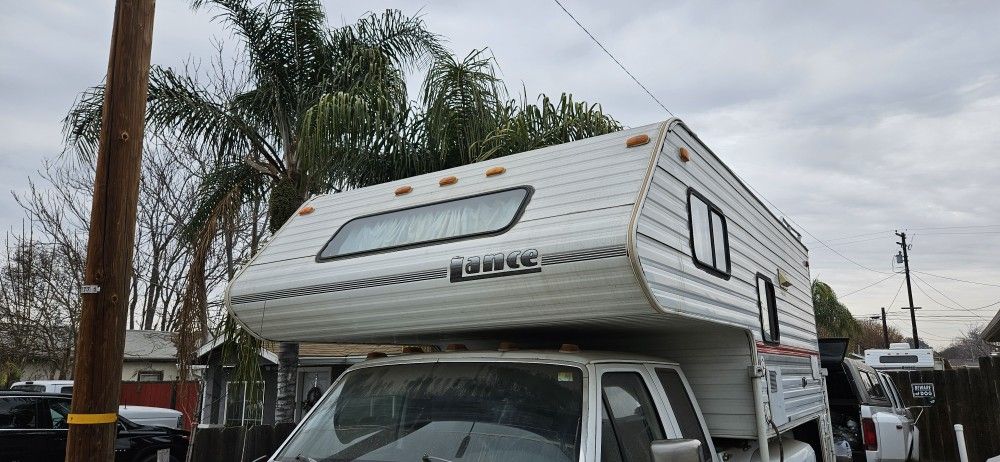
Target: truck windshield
446 411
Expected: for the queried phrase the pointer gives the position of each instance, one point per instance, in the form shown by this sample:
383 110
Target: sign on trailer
922 390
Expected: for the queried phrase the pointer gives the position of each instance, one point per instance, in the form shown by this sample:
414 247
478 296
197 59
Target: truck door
902 422
682 408
634 413
889 426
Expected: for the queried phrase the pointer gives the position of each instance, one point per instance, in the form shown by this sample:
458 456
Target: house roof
992 331
145 345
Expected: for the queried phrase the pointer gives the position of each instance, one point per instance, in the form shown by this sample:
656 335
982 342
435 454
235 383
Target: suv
143 415
868 415
33 428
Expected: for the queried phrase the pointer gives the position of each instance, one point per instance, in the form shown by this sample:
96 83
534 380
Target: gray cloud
851 117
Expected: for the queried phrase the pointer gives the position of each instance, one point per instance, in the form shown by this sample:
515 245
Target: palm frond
533 126
352 140
402 39
180 107
462 101
82 125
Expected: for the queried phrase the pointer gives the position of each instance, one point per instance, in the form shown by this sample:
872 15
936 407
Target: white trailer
899 356
641 242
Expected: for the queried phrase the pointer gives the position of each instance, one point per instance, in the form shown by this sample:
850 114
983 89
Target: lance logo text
494 265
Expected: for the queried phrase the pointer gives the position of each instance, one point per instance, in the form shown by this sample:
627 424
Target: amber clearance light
448 180
494 171
403 190
683 154
637 140
306 210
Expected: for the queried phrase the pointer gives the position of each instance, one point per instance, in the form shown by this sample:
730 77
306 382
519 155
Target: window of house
709 235
244 404
150 376
455 219
768 307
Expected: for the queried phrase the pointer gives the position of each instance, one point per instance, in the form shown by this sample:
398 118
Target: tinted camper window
768 306
454 219
709 236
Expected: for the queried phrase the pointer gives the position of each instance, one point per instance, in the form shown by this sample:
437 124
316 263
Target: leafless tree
969 346
44 262
39 308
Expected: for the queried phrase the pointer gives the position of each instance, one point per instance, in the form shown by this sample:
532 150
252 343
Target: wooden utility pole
105 290
909 289
885 330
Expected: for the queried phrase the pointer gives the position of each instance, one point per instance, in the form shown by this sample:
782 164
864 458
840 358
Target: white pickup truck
553 406
142 415
867 411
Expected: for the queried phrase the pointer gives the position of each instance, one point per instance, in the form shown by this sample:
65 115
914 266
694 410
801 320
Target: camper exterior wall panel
584 194
758 243
803 392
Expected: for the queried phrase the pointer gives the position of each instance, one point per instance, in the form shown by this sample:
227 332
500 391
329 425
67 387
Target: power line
613 58
953 227
900 289
868 286
971 310
858 235
761 196
956 279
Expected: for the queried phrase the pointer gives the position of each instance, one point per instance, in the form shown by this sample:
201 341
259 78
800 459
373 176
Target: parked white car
143 415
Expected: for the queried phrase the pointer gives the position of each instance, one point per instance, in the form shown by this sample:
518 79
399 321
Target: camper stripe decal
426 275
583 255
341 286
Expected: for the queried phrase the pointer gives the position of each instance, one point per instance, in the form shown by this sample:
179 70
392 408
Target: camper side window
462 218
709 236
768 306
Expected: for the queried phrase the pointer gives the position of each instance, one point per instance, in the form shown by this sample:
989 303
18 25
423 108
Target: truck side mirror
684 450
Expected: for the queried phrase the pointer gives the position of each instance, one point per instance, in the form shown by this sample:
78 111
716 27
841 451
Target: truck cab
531 405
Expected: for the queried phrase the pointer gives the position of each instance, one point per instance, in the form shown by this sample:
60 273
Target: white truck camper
619 298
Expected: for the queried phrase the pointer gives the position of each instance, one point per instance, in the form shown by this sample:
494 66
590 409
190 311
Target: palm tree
832 317
322 110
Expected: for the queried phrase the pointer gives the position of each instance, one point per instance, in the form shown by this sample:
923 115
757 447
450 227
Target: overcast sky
852 118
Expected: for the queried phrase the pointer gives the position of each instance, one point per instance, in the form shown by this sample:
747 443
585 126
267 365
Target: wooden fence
182 396
236 444
967 396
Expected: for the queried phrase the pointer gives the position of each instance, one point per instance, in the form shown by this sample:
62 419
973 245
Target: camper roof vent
899 346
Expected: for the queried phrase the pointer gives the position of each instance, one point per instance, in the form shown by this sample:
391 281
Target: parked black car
33 428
